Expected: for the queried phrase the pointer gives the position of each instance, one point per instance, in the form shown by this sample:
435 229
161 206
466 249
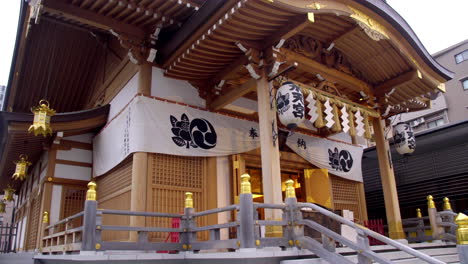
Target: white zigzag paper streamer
312 115
359 124
329 112
344 117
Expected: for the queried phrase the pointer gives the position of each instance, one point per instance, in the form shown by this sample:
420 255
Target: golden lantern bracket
21 169
8 196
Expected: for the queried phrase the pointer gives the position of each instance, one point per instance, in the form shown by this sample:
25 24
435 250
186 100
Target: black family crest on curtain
340 160
196 133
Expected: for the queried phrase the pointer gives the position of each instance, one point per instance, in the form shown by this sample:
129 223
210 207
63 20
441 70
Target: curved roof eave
388 13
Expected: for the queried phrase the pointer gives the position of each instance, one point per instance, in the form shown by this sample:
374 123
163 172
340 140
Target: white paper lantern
290 105
403 138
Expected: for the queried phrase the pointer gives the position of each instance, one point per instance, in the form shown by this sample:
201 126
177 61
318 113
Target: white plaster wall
223 196
123 97
175 90
79 155
72 172
84 138
54 213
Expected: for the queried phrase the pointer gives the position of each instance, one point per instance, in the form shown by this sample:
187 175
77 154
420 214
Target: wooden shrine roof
341 43
18 141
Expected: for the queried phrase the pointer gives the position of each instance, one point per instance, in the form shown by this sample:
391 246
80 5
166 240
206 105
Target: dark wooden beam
400 80
232 95
328 73
294 26
84 16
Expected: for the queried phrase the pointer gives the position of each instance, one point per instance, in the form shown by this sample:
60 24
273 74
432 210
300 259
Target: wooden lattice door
172 176
73 199
346 196
34 216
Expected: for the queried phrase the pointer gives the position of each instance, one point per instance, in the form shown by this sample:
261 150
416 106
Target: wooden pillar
46 202
271 172
392 207
140 161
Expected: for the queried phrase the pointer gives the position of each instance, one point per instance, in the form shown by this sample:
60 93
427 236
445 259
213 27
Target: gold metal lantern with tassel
42 114
8 196
2 207
21 170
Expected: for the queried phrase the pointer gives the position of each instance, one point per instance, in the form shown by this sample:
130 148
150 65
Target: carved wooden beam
402 79
84 16
232 95
328 73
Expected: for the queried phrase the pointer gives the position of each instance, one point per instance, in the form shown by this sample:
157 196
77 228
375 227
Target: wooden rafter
328 73
396 82
294 26
232 95
91 18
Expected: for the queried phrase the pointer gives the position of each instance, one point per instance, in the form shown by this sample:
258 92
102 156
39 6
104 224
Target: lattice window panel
172 177
115 180
178 171
346 196
73 203
34 223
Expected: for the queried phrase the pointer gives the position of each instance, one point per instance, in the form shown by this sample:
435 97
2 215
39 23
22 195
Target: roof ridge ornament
371 27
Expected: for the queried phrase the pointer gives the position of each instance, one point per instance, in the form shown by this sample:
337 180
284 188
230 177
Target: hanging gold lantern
2 207
21 168
8 196
42 114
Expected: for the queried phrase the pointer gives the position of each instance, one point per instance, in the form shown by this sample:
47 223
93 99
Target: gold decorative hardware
45 217
430 202
184 246
462 231
189 246
418 213
98 246
91 193
447 206
2 207
298 243
316 6
290 191
21 170
257 242
188 200
441 87
50 179
42 114
372 28
8 196
311 17
291 243
98 227
238 243
245 184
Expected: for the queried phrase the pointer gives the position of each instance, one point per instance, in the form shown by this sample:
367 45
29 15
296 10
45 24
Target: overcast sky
438 24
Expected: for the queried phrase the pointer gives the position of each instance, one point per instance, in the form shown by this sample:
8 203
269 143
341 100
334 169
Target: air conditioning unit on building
417 122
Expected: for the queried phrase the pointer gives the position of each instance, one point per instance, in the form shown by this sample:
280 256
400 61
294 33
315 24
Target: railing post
449 218
462 237
187 223
294 215
363 242
246 233
43 233
88 242
420 231
432 213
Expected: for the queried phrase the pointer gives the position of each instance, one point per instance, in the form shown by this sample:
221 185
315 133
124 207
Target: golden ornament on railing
418 213
447 206
2 207
290 191
21 170
188 200
42 114
45 217
430 202
245 184
8 196
91 193
462 231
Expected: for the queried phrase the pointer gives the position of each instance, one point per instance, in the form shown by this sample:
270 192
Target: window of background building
435 123
465 84
462 56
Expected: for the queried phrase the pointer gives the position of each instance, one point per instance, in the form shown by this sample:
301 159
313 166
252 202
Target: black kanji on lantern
197 133
301 143
253 133
298 110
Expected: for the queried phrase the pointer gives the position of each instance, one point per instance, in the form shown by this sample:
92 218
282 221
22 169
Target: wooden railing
8 234
247 225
